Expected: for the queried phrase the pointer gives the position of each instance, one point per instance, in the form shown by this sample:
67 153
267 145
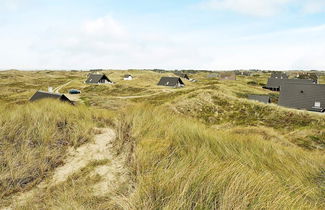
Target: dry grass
214 108
180 164
34 139
200 147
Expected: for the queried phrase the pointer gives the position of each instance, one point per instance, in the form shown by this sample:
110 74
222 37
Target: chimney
50 89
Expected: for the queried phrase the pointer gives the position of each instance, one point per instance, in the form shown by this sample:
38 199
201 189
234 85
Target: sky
168 34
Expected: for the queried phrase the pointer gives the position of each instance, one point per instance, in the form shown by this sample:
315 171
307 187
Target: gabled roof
42 95
277 83
95 78
182 75
170 81
261 98
279 75
127 75
303 96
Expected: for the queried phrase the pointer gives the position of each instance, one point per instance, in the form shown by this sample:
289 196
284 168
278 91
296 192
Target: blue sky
191 34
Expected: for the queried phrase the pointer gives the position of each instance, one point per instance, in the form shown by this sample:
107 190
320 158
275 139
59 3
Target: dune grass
34 139
179 163
77 192
215 109
200 147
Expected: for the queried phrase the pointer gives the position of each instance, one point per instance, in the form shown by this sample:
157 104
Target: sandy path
56 90
145 96
99 149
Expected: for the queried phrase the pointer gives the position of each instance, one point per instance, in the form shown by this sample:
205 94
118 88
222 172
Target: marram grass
34 139
180 164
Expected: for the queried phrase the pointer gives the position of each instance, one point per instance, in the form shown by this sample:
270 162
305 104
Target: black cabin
309 97
171 82
275 84
98 79
45 95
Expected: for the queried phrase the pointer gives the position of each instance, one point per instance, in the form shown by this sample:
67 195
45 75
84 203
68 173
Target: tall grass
181 164
34 139
215 108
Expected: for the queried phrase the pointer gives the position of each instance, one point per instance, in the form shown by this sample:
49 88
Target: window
317 104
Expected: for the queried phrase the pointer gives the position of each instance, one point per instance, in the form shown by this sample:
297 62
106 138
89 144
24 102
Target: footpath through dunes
112 172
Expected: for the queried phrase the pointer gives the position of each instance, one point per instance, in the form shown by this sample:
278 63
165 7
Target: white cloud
249 7
314 6
264 7
11 4
108 43
105 26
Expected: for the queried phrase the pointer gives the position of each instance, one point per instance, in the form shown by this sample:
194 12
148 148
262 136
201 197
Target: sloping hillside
204 146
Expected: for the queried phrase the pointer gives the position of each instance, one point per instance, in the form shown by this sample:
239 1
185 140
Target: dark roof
277 83
303 96
42 95
279 75
182 75
261 98
170 81
96 78
127 75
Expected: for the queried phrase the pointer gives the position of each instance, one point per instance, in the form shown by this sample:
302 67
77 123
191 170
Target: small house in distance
311 76
243 73
44 95
279 75
95 70
182 75
227 76
309 97
212 76
261 98
127 77
275 84
171 82
98 79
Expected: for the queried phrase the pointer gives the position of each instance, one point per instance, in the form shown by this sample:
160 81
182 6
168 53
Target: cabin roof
95 78
182 75
277 83
170 81
303 96
42 95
